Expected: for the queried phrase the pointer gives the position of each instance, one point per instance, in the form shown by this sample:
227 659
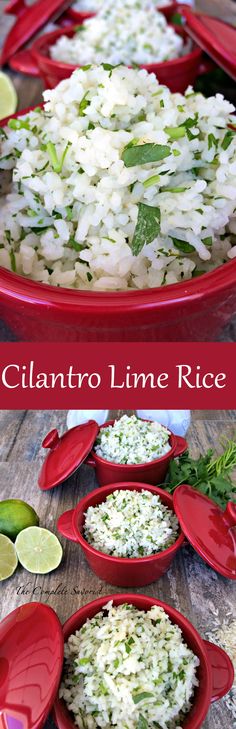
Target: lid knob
230 514
51 439
15 7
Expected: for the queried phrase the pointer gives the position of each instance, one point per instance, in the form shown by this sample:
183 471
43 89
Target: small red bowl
177 74
215 673
152 472
122 572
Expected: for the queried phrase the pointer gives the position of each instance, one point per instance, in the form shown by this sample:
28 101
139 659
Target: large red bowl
215 673
122 572
177 74
194 310
152 472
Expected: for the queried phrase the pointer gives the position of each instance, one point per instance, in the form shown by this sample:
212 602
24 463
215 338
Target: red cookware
209 529
122 572
215 673
194 310
177 74
29 19
26 644
68 452
31 656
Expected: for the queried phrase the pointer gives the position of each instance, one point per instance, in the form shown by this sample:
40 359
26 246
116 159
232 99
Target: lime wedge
8 96
8 558
38 550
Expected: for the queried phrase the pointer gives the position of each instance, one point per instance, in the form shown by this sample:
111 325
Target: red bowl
77 16
177 74
194 310
215 669
122 572
152 472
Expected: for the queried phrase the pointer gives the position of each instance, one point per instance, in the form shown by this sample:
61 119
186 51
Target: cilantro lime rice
118 184
127 32
132 440
131 524
94 6
129 669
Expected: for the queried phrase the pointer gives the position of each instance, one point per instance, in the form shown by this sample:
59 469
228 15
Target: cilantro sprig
208 474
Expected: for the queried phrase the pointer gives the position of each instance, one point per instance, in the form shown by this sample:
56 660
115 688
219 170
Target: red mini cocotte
31 638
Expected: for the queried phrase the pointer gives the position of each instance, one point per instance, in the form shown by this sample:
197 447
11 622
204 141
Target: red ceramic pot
194 310
177 74
122 572
153 472
76 16
215 673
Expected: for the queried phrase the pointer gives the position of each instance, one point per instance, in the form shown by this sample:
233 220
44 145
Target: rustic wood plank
190 585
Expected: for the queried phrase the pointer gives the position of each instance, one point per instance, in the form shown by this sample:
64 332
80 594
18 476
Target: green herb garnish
208 474
56 163
142 723
83 104
147 227
140 697
141 154
183 246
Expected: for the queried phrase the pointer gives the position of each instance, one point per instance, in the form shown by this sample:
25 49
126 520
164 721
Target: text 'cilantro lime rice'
131 524
132 440
129 669
128 32
118 184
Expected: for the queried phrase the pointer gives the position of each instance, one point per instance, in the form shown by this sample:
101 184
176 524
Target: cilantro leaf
141 154
147 227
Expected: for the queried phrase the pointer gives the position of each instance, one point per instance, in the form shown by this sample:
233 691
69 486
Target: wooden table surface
29 92
190 585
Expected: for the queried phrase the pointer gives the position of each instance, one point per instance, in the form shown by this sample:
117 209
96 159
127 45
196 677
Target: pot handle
65 526
230 514
181 446
89 461
222 670
24 62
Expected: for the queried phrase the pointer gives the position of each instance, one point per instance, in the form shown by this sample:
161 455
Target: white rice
128 31
93 6
79 227
131 524
132 440
129 669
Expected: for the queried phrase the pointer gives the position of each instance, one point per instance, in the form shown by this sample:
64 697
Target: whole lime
16 515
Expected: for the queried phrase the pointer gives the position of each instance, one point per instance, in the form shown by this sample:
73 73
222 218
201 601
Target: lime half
16 515
8 558
38 550
8 96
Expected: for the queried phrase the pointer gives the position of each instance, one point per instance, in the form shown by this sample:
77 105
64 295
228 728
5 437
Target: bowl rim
136 466
83 505
61 713
37 50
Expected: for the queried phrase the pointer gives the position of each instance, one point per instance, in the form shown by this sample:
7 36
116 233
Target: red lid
215 37
29 19
210 530
66 453
31 659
